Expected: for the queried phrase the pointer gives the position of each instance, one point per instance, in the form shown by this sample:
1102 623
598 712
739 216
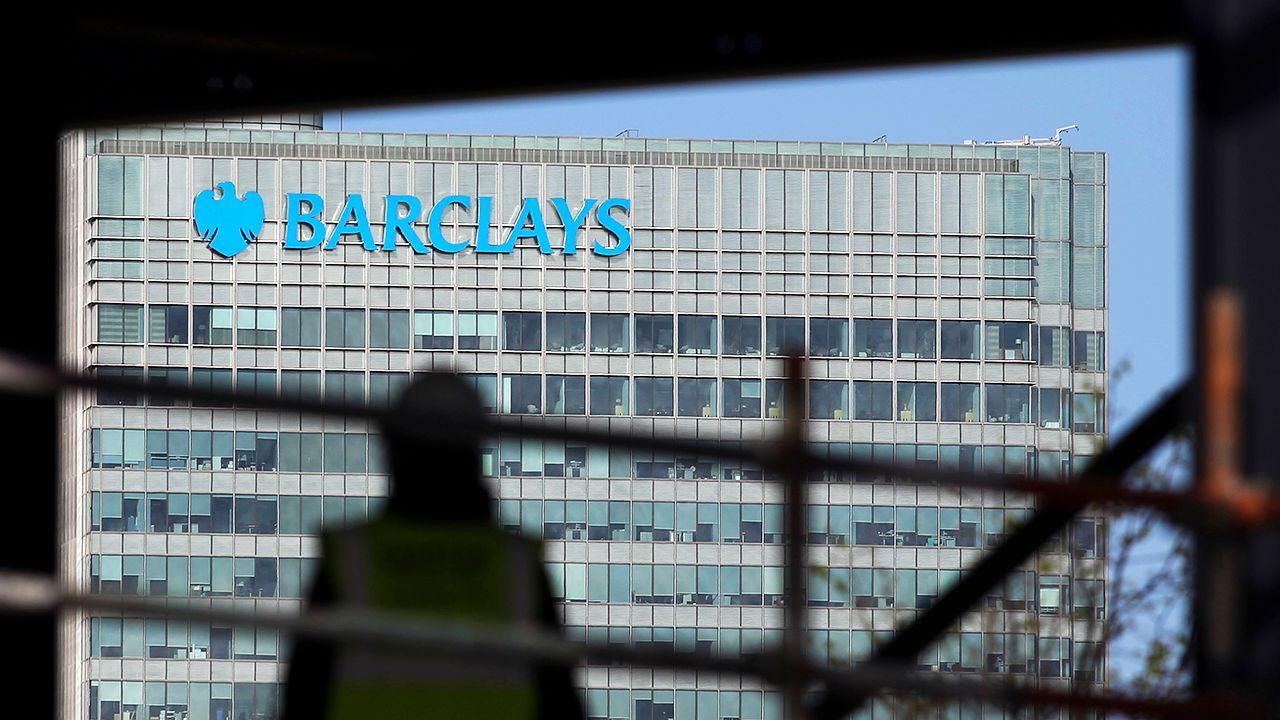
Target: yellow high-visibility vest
471 573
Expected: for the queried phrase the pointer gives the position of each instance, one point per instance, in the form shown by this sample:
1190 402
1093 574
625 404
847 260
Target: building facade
951 298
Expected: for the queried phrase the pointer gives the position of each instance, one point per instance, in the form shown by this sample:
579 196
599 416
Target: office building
951 299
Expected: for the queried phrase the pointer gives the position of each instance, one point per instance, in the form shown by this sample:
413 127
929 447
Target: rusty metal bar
1219 623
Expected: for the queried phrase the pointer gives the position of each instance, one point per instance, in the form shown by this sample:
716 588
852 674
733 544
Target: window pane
697 397
829 399
697 335
609 395
741 335
654 334
566 394
960 339
829 337
654 396
610 332
873 338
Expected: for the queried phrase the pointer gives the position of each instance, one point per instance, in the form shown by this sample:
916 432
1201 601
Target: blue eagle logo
228 222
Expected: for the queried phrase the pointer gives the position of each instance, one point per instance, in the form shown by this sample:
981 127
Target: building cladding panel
952 299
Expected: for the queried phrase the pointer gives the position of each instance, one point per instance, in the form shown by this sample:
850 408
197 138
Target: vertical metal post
32 539
792 450
1236 96
1219 479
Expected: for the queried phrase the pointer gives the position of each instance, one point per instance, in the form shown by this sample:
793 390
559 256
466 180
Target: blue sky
1133 105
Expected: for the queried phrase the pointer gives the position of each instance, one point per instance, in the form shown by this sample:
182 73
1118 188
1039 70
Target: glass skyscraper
951 298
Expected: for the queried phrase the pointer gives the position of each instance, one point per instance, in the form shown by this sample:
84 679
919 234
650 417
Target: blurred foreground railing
839 690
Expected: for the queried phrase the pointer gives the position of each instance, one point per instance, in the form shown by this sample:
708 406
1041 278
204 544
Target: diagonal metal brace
907 643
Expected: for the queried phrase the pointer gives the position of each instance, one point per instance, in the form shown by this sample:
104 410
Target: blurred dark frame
95 67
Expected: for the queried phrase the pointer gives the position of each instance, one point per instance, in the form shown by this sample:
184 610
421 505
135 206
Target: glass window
829 337
120 185
477 331
960 340
1088 277
167 324
1088 537
522 331
486 387
960 402
917 339
342 386
775 398
609 333
873 338
654 396
1008 403
108 396
300 327
828 399
256 326
566 332
1054 408
784 335
166 377
697 334
741 335
566 394
343 328
609 395
1087 351
654 334
1054 349
256 382
1088 412
521 394
697 397
1055 657
300 384
872 400
217 379
389 329
385 387
1008 341
742 397
433 330
917 401
211 325
121 324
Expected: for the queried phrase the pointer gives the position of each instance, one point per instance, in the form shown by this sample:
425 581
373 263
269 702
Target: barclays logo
230 223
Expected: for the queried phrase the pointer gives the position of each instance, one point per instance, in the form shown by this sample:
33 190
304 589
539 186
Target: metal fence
788 457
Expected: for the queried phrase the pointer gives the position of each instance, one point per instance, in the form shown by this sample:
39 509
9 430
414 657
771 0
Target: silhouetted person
434 553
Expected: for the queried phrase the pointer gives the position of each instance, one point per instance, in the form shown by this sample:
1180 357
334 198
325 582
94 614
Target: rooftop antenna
629 132
1057 134
881 139
1027 140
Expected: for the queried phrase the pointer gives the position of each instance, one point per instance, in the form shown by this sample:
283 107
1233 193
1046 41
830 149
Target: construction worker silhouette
434 553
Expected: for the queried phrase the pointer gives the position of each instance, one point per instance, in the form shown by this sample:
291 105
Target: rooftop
545 142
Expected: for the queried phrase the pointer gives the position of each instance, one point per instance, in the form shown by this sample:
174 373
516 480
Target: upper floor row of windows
618 333
876 201
623 395
618 583
338 453
654 249
158 639
834 524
